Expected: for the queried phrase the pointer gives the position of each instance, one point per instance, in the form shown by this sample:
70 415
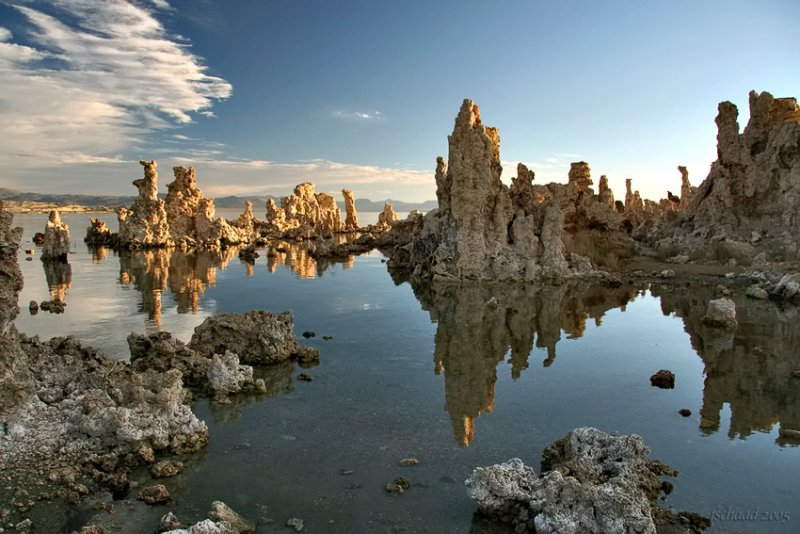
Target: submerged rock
591 482
721 313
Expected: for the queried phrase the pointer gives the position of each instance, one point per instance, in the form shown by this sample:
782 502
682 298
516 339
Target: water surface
455 375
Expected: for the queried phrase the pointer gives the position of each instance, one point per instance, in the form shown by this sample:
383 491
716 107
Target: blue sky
260 95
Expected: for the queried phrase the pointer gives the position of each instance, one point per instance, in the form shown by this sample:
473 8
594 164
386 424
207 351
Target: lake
457 376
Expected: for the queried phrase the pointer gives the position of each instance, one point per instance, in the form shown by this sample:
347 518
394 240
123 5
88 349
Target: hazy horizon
260 96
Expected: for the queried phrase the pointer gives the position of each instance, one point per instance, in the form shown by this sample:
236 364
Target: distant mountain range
106 201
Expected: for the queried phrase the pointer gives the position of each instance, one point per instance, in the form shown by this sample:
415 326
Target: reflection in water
750 368
478 324
297 258
188 274
59 278
99 253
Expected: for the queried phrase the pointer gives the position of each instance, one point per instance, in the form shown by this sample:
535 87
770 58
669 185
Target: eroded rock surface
56 239
351 216
591 482
144 223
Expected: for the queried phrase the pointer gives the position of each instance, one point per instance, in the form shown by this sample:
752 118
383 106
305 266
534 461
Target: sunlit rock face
144 223
485 230
351 216
56 238
752 192
387 217
183 204
317 212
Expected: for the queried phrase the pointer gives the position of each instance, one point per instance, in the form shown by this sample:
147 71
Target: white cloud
358 115
161 4
96 85
5 34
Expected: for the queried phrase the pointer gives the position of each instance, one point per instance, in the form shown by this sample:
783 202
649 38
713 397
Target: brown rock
351 216
56 239
145 223
387 217
166 468
157 494
663 379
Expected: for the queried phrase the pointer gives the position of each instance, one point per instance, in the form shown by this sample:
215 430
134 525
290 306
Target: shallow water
436 373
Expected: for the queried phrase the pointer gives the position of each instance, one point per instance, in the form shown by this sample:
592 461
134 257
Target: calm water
436 373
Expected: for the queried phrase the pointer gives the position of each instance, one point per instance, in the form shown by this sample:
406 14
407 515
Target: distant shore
46 207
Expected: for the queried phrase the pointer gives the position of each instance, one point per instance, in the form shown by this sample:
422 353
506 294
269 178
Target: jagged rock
788 287
755 292
721 313
162 352
56 239
183 205
226 375
99 234
688 191
317 212
157 494
257 337
351 216
145 223
592 482
166 468
485 230
221 512
387 217
752 188
170 522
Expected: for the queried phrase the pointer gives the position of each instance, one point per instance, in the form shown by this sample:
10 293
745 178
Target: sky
260 95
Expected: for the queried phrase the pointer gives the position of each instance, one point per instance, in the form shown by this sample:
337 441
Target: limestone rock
225 375
145 223
721 313
257 337
315 211
99 234
592 482
753 188
221 512
351 216
166 468
157 494
183 204
56 239
688 191
387 217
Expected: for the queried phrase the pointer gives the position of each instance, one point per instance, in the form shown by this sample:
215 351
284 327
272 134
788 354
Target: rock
248 254
93 529
591 482
145 223
327 338
307 334
53 306
351 216
666 274
99 235
305 213
222 513
687 190
33 307
166 468
398 485
305 378
257 337
663 379
183 204
387 217
226 375
170 521
157 494
24 526
685 412
679 259
409 461
485 230
755 292
795 374
787 288
56 239
295 523
721 313
38 238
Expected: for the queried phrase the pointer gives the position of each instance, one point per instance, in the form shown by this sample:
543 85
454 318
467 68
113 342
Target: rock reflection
297 258
186 274
479 324
754 369
59 278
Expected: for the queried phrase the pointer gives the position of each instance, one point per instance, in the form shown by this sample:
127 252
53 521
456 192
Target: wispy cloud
359 116
161 4
96 84
5 34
